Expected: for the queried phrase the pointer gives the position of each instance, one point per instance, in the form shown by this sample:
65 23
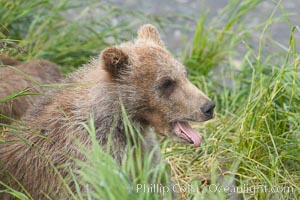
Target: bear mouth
184 131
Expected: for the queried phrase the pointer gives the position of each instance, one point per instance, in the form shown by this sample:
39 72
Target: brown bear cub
141 75
26 75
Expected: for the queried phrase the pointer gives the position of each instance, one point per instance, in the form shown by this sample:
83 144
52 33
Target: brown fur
16 76
4 60
137 73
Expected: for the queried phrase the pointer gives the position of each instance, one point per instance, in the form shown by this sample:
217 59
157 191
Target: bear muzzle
183 130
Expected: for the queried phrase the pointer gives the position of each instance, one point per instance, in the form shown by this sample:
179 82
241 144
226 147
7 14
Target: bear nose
208 109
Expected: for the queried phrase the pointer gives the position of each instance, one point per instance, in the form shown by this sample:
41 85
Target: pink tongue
185 131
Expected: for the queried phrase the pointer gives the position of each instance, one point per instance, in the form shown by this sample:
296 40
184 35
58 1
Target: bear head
154 86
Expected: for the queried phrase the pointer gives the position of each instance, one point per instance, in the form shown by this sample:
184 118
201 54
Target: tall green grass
254 141
252 145
214 39
61 31
103 178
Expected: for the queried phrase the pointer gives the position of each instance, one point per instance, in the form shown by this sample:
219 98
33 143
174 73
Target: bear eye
167 86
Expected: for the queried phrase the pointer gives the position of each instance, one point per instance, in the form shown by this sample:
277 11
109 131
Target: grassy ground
252 145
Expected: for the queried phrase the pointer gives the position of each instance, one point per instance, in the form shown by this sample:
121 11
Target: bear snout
208 109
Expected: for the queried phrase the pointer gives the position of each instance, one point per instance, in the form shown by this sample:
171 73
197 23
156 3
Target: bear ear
149 32
114 61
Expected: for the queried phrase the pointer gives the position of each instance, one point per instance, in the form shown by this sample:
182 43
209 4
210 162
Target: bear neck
105 106
111 124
